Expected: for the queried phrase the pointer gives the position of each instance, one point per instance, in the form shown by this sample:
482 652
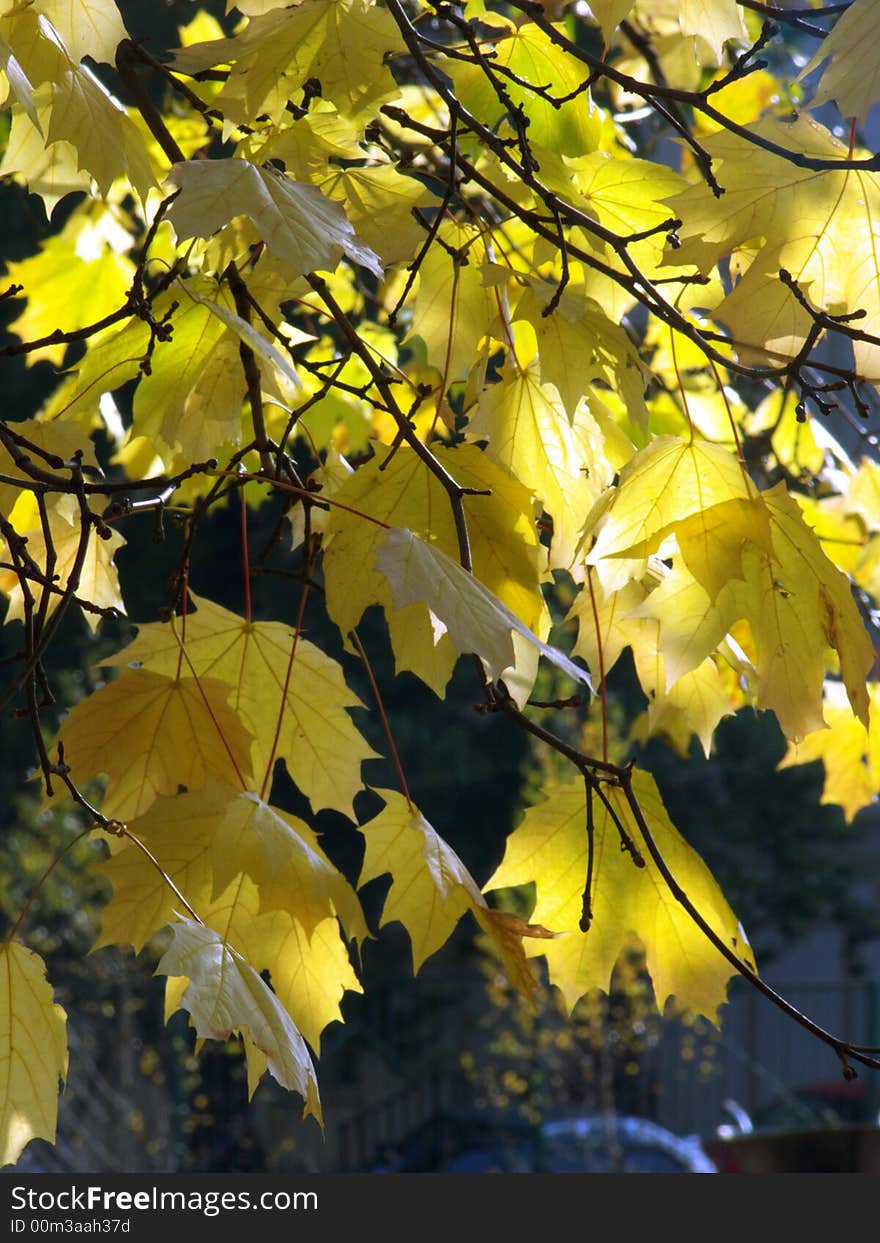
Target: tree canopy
552 331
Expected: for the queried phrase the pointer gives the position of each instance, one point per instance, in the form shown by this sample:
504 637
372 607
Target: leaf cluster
460 305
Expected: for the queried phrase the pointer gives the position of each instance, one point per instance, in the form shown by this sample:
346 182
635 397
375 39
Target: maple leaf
225 995
798 605
530 54
679 478
86 27
152 734
379 203
80 276
529 433
286 929
98 582
579 343
550 847
714 22
849 751
454 312
287 694
402 493
298 223
33 1051
475 619
106 141
610 13
431 889
831 255
339 43
852 76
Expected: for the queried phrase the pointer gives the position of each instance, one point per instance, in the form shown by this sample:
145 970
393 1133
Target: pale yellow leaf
225 994
302 718
297 222
659 488
152 734
475 619
550 848
852 76
33 1051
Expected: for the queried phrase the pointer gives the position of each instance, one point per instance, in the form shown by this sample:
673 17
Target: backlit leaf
298 223
225 995
33 1051
151 734
550 847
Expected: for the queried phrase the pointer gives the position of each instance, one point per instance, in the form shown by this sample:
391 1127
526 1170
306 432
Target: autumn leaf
431 889
86 27
551 847
287 694
399 493
225 995
831 256
150 735
297 222
475 620
798 606
529 433
681 478
33 1051
290 932
852 76
849 751
339 43
84 560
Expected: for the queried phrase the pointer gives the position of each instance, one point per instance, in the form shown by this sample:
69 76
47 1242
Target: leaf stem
386 725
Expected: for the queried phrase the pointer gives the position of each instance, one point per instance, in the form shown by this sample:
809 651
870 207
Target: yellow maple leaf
473 617
152 734
714 22
691 627
86 27
307 961
51 172
550 848
33 1051
607 623
579 343
431 889
225 994
73 280
530 434
849 752
288 694
798 605
454 312
532 57
852 76
308 973
341 43
610 13
297 222
667 482
98 580
379 203
832 255
792 441
107 142
406 494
